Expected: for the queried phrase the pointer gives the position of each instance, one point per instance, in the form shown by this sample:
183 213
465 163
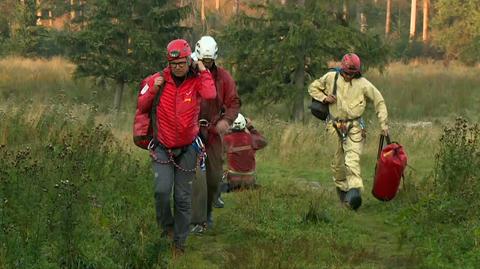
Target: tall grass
29 78
43 81
71 196
429 91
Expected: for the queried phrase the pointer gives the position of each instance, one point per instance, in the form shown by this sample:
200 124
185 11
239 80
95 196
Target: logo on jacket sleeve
144 89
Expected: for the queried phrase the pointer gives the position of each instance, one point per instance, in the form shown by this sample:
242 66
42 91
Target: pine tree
277 53
456 29
125 40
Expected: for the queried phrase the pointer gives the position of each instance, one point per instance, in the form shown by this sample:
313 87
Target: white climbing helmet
239 123
207 48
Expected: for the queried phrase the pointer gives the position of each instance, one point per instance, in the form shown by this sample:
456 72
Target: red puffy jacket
179 107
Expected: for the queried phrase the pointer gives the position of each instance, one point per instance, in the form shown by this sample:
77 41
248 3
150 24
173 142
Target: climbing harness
173 153
343 127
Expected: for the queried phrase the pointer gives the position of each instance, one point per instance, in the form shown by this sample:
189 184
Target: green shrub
71 196
445 223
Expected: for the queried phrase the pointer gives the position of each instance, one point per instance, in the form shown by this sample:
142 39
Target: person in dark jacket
216 116
173 148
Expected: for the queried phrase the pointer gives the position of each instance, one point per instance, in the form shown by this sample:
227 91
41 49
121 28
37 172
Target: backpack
144 124
319 109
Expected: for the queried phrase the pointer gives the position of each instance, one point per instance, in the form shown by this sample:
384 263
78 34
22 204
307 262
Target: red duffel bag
144 123
391 162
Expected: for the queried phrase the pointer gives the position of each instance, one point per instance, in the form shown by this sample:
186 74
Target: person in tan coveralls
346 125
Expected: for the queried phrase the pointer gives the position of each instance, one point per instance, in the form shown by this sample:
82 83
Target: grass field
76 193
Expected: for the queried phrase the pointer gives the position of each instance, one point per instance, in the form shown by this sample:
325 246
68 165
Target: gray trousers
205 189
166 177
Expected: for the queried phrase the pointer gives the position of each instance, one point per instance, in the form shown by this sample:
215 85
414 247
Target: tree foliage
265 49
457 29
21 35
124 39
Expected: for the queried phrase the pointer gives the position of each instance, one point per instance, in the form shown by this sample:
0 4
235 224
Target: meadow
76 193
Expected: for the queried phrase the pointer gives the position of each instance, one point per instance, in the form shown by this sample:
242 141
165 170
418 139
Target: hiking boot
199 229
177 251
168 233
353 198
224 187
209 220
219 203
341 195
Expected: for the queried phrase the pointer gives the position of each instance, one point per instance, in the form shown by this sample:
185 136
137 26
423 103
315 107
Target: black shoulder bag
319 109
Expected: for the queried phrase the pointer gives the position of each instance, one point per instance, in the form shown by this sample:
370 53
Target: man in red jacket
240 146
173 146
216 116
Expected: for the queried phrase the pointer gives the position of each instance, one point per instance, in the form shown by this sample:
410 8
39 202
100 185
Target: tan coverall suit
349 107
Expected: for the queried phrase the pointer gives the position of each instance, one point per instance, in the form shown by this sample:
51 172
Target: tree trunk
426 8
413 19
202 11
81 13
388 18
117 101
50 18
217 5
345 15
72 9
30 15
236 6
298 112
363 16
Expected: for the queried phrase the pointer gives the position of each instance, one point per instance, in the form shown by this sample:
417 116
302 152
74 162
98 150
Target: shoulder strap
153 112
337 71
335 83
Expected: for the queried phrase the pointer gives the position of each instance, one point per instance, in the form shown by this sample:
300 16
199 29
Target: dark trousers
199 197
166 177
214 170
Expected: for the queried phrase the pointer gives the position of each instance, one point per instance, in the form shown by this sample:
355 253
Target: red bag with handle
144 123
391 162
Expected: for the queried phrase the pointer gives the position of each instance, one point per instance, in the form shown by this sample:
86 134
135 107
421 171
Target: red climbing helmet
178 48
351 64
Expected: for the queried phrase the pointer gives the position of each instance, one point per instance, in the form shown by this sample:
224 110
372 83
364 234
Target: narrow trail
237 243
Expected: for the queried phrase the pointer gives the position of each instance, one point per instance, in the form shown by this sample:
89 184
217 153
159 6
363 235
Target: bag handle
381 142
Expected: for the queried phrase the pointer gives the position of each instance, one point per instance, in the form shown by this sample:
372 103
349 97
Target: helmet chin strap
212 67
